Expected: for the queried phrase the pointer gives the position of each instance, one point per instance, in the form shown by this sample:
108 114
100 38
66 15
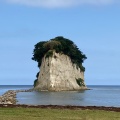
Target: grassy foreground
56 114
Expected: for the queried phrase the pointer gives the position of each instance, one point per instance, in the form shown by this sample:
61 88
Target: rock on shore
9 97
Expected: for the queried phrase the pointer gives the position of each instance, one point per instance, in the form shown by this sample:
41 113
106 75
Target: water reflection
98 96
52 98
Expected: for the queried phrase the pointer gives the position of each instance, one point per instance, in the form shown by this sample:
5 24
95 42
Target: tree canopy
59 45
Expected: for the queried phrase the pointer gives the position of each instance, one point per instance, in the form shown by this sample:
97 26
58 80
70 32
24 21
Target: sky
93 25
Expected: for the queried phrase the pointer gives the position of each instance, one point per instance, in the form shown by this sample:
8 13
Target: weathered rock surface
58 73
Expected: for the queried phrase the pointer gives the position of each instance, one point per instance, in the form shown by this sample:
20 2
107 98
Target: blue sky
93 25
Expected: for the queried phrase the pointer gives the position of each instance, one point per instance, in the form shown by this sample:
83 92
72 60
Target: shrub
37 75
80 82
49 54
35 82
51 45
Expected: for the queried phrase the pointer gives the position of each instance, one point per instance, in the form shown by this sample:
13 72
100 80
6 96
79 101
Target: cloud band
61 3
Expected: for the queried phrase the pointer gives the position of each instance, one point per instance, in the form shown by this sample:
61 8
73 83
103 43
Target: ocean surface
97 96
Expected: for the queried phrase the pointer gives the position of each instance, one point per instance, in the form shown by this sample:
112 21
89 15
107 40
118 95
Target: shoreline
70 107
9 97
8 100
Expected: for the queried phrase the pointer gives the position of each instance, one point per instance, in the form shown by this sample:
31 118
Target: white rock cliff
58 73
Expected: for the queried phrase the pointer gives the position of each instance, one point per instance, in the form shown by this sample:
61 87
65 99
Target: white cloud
62 3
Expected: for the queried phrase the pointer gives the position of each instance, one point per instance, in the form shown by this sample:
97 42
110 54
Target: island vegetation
59 45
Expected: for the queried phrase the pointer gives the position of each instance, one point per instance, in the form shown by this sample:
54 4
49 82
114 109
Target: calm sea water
97 96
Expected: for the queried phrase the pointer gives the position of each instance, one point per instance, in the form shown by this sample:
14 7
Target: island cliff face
58 73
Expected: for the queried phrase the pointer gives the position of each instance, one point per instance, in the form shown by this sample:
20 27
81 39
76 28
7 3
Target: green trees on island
59 45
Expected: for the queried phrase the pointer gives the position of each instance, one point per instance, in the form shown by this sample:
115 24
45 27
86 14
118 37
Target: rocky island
60 62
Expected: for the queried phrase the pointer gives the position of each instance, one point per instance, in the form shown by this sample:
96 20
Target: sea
98 95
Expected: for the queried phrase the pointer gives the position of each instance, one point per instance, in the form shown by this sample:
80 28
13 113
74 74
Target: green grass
56 114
